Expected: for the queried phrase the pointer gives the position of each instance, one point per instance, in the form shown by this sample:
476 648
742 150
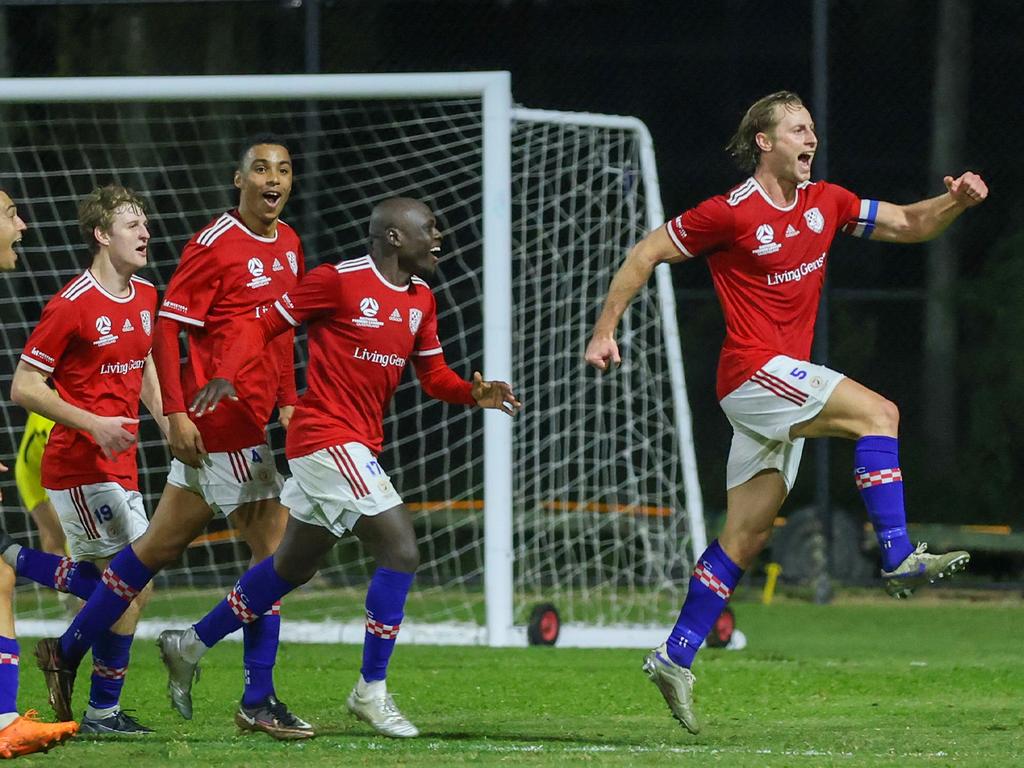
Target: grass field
929 682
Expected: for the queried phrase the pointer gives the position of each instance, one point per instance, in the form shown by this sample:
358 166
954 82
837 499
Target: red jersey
362 330
768 266
93 345
228 272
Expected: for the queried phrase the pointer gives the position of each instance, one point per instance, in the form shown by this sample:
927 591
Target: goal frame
498 114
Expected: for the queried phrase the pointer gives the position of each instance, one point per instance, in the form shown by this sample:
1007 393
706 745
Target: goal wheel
721 633
544 626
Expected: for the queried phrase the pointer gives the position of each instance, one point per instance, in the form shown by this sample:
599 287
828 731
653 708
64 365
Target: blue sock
711 585
258 589
58 572
385 607
877 472
260 640
123 579
8 675
109 664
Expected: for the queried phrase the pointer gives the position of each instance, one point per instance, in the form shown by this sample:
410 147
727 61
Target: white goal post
590 498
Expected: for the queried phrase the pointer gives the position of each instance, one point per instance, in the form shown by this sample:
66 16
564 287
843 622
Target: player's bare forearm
151 396
927 219
184 439
30 390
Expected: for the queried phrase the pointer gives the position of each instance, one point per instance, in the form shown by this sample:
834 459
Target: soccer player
233 268
366 319
766 243
94 341
18 735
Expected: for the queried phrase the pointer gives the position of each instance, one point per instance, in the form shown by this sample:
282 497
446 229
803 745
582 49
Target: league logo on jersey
415 318
256 270
814 220
369 307
293 262
147 321
766 237
103 326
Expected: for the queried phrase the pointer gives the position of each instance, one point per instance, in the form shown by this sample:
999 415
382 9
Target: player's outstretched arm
927 219
602 351
251 337
495 394
30 391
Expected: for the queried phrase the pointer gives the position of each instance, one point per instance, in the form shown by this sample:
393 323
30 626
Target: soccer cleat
60 678
676 685
273 718
379 712
180 673
118 724
920 568
27 735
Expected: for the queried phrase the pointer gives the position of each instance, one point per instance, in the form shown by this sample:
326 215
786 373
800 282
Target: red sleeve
251 336
48 340
704 229
427 342
316 295
167 359
286 394
194 285
441 382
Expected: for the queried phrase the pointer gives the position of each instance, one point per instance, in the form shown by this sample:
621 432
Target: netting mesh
598 494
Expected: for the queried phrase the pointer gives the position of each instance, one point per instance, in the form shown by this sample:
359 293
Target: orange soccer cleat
27 735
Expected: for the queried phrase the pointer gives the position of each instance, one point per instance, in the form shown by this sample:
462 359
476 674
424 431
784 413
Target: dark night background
689 70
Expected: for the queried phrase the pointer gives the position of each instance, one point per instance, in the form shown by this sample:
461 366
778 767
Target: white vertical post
497 317
674 349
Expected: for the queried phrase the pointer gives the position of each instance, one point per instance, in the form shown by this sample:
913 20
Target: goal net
585 501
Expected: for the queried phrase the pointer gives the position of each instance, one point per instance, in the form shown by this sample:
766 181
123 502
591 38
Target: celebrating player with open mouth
233 268
366 318
766 243
18 735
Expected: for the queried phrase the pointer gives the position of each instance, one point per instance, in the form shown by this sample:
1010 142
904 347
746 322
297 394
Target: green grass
857 683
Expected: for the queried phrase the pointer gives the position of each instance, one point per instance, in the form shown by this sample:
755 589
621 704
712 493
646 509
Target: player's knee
402 556
885 418
295 570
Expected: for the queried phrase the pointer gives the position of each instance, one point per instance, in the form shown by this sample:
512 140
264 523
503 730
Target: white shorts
335 486
762 410
229 479
99 519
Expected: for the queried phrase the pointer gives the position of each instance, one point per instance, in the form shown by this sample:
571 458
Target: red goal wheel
544 625
721 633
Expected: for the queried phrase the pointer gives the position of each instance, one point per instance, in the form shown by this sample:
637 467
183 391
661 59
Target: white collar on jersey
767 199
119 299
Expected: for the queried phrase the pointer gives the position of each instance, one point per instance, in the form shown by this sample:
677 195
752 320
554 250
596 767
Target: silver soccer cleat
180 673
676 685
381 714
920 568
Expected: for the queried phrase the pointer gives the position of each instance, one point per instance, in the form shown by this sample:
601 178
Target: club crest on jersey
814 220
103 327
369 307
293 261
415 318
766 237
256 270
147 321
